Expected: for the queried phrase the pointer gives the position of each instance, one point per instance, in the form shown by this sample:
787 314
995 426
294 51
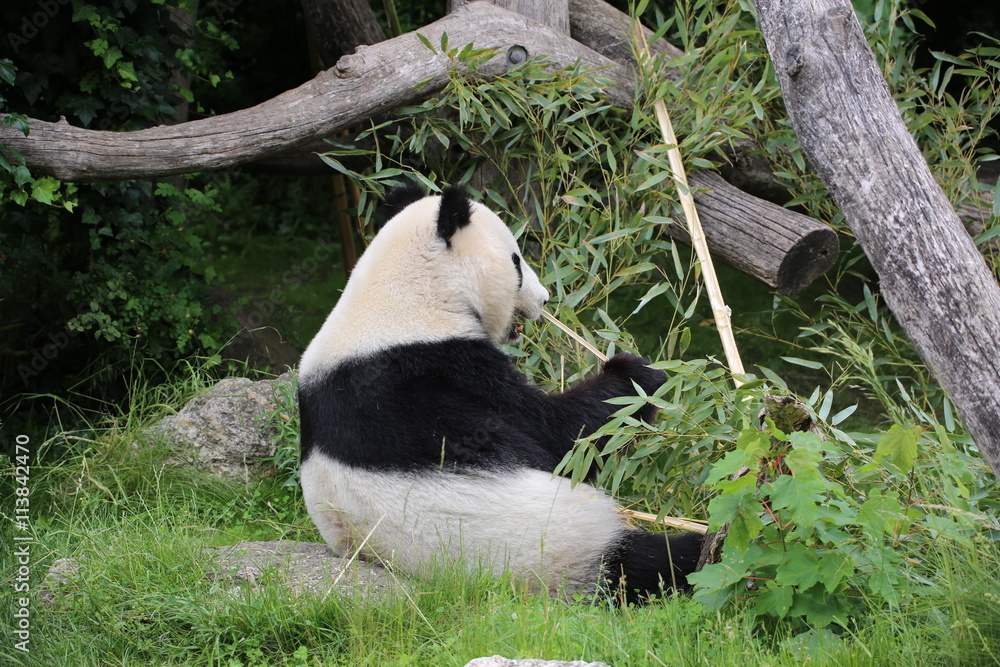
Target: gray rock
226 430
60 573
304 567
500 661
301 567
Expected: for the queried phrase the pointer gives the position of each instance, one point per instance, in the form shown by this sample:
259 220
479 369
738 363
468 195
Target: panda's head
442 267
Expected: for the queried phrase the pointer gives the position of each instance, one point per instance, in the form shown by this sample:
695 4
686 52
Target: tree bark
185 19
932 277
553 13
781 248
374 80
338 27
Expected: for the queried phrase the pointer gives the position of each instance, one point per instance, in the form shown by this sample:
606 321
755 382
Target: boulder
301 567
60 573
304 567
229 430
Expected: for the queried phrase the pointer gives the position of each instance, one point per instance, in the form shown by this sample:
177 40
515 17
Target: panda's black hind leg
643 564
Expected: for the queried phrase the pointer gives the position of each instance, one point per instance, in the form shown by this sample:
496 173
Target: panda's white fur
499 521
409 287
422 445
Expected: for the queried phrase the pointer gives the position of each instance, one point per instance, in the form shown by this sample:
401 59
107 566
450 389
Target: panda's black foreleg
582 409
644 564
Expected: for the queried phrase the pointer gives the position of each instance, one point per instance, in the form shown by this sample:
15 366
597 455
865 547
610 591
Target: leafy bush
100 271
819 529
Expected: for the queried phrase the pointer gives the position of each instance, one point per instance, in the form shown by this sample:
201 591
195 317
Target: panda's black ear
399 198
455 213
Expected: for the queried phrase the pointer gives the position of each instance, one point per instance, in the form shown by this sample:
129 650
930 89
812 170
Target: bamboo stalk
719 308
575 336
693 525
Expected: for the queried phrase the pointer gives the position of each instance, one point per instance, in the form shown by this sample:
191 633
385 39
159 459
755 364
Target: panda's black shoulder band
455 213
400 197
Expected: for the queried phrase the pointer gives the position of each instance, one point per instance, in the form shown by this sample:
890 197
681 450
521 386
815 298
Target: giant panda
423 445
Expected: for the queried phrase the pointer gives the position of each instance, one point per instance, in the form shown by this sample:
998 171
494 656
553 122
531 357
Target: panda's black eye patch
517 265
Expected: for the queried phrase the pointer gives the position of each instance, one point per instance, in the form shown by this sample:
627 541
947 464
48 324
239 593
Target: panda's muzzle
516 328
517 324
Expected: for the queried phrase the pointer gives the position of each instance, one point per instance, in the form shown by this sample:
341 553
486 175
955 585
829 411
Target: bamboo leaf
815 365
843 414
426 42
653 180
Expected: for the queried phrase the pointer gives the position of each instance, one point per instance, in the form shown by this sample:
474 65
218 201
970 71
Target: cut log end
783 249
810 257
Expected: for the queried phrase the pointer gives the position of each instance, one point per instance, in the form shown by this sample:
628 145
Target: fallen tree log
791 250
932 276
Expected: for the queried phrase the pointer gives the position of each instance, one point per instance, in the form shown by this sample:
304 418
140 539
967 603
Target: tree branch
374 80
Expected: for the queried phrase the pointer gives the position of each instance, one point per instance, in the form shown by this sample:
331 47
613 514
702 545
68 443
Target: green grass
140 528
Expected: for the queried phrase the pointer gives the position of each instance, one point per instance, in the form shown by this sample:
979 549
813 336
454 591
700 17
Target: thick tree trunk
932 276
337 27
553 13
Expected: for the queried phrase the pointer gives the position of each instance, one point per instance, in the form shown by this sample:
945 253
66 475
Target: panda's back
456 404
435 448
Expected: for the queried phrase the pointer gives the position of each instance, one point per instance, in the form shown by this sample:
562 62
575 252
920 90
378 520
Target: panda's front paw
630 367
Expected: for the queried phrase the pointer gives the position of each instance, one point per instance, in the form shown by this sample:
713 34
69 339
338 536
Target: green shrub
108 273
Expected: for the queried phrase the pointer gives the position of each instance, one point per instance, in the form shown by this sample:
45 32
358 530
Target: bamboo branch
575 336
719 307
693 525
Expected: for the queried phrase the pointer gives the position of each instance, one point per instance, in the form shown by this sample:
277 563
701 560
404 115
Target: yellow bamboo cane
719 308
